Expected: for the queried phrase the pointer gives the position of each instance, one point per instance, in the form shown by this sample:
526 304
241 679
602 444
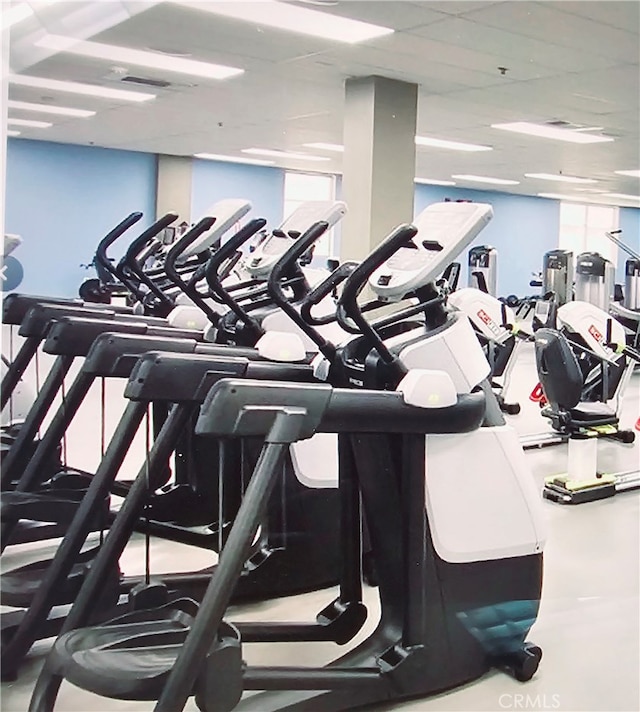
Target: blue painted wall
523 228
62 199
262 185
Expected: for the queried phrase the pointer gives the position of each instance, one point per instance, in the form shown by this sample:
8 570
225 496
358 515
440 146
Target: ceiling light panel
633 174
562 196
79 88
559 178
301 20
622 196
233 159
486 179
283 154
551 132
29 123
13 133
433 181
49 109
335 147
137 57
452 145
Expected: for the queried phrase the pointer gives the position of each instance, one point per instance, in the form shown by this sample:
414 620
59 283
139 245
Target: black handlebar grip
111 237
299 247
326 287
214 278
140 242
181 245
348 304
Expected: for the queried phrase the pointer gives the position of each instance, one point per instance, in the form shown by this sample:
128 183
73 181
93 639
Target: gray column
379 160
174 186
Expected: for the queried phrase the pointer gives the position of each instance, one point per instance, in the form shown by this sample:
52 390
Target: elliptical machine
456 599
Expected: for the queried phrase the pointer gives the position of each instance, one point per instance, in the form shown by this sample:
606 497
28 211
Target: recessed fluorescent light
13 133
49 109
433 181
562 196
633 174
12 15
283 154
552 132
559 178
233 159
486 179
29 122
78 88
589 190
140 58
284 16
624 196
336 147
453 145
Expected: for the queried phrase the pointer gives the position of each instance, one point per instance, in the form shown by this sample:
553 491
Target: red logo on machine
596 334
485 317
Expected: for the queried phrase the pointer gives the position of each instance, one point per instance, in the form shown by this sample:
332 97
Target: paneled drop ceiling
575 61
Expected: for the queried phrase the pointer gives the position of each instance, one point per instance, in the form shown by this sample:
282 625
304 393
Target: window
300 187
583 227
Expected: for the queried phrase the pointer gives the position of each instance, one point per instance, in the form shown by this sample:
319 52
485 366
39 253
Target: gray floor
588 626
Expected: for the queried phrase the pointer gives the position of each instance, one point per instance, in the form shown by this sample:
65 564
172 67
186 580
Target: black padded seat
562 382
593 411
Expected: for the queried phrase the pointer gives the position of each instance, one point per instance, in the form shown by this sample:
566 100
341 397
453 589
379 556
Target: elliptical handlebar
182 243
278 273
315 296
189 288
141 241
348 308
128 264
214 279
108 240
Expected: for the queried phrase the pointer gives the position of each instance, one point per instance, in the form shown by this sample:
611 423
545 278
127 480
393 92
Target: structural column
174 186
379 160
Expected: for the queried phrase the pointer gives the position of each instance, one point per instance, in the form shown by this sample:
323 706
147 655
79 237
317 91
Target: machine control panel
269 251
444 230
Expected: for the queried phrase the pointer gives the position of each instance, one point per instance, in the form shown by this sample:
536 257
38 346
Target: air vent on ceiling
145 81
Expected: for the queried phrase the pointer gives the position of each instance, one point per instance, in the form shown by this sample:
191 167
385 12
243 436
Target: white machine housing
444 230
485 312
464 471
268 252
591 322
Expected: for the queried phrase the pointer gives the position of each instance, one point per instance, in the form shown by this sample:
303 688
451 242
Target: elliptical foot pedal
562 490
129 657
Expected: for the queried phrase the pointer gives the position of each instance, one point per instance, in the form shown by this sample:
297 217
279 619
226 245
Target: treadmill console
227 213
444 230
269 251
